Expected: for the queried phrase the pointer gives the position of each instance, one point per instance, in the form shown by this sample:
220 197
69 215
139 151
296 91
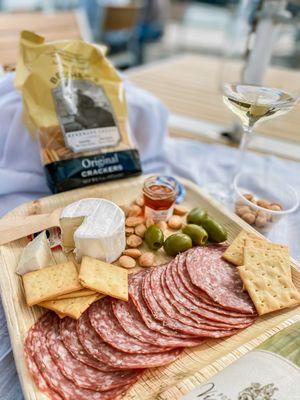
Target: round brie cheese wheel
96 227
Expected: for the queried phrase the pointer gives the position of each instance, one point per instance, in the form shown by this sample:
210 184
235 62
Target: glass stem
246 138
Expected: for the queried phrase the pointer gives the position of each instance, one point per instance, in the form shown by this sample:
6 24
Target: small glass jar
159 197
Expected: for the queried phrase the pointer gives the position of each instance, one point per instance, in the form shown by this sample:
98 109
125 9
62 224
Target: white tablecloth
22 178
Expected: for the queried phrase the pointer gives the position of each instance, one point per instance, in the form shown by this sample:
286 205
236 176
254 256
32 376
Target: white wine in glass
248 81
254 104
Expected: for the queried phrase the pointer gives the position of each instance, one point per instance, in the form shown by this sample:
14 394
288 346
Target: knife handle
17 227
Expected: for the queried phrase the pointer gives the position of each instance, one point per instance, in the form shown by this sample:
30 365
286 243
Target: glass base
220 192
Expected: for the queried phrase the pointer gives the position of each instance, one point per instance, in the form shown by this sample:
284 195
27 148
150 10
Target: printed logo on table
258 392
255 391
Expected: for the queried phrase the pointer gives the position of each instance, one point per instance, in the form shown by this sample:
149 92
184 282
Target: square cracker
235 252
266 281
270 249
70 307
61 316
104 278
50 282
264 244
79 293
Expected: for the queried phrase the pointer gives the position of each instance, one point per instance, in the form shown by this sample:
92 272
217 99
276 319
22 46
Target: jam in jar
159 197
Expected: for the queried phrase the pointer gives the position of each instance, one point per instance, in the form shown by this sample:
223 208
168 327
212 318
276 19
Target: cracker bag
74 104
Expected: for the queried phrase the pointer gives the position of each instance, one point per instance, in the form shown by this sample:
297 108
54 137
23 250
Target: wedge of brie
36 255
95 228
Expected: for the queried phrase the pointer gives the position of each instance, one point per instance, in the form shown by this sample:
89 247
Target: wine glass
254 104
250 88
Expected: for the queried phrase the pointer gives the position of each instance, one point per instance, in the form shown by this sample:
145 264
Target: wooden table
189 86
53 26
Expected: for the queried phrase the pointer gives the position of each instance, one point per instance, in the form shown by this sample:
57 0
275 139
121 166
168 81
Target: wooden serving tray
195 366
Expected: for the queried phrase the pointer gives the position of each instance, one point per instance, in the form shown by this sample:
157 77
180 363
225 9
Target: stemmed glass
254 104
249 89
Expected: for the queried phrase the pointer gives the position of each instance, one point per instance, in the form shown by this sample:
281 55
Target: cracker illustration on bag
74 103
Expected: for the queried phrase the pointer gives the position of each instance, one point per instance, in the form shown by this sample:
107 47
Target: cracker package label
74 103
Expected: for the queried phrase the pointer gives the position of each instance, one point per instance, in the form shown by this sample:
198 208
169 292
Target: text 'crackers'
104 278
51 282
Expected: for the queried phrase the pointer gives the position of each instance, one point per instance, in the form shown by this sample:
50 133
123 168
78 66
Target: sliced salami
219 279
131 321
151 288
196 295
33 369
107 326
81 374
185 278
116 358
68 332
90 339
166 307
55 379
188 308
135 293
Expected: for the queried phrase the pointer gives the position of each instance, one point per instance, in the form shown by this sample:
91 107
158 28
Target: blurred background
193 56
135 32
183 52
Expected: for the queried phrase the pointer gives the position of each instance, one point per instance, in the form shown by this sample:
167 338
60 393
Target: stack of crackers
69 289
265 269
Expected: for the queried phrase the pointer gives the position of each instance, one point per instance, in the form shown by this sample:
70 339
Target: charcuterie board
195 365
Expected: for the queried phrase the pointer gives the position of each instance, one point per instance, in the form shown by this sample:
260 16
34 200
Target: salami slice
81 374
131 321
196 295
107 326
33 369
187 308
68 332
158 291
184 276
55 379
90 339
116 358
135 293
151 288
219 279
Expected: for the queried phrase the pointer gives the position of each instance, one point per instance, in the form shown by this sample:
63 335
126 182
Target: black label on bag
83 171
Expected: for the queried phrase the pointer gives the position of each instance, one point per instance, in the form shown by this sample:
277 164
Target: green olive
154 237
196 216
198 234
177 243
216 232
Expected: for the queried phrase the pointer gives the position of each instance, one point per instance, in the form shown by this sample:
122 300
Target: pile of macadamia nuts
135 227
252 215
